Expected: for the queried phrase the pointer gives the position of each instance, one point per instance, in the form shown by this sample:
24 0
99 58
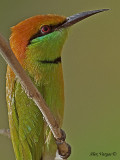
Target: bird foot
64 149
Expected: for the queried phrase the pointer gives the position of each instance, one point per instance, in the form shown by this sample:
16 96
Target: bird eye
45 29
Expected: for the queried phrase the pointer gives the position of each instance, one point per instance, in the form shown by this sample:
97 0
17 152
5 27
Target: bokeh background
91 64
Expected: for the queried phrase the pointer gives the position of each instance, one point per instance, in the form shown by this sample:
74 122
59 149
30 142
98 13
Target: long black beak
78 17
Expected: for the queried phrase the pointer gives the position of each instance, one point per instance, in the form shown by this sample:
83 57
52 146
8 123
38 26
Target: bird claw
62 151
63 136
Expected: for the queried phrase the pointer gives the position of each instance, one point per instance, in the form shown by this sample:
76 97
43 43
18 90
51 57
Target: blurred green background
91 64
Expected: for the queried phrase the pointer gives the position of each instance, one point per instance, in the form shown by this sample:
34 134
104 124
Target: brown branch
32 92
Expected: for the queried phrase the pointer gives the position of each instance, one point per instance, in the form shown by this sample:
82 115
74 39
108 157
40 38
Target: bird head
32 31
41 38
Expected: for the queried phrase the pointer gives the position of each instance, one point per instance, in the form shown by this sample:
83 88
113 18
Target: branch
63 148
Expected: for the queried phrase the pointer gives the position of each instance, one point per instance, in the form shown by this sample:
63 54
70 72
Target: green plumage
31 137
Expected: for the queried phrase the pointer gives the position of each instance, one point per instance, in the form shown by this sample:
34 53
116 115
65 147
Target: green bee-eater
37 43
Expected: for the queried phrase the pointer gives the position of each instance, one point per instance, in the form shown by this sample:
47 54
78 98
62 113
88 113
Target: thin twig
32 92
5 132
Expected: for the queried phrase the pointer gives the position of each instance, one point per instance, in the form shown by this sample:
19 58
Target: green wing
26 125
31 137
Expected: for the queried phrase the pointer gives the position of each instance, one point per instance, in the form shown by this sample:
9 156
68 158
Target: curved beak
78 17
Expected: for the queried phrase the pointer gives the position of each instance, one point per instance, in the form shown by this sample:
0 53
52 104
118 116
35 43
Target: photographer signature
104 154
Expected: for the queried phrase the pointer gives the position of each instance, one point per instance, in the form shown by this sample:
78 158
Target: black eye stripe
40 34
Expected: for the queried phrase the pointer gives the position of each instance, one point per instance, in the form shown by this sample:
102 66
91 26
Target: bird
37 43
